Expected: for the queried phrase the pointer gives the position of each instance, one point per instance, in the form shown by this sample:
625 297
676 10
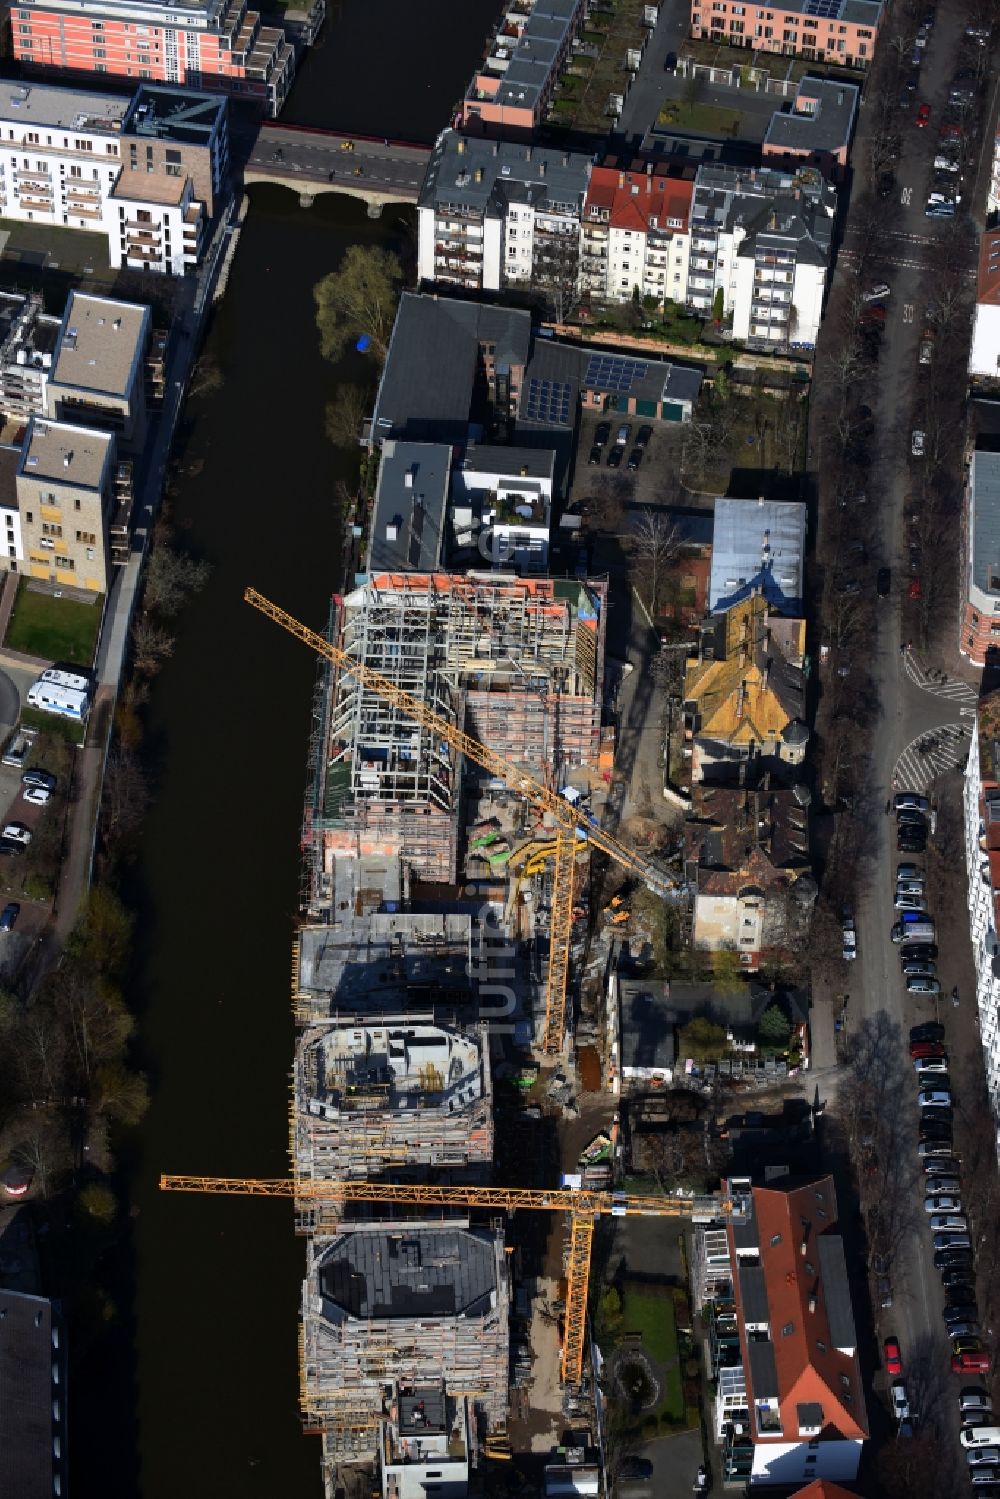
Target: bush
97 1201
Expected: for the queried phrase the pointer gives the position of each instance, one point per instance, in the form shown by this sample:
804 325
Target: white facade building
982 855
70 158
502 497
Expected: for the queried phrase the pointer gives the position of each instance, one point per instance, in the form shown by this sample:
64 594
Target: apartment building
982 857
817 130
510 92
34 1394
832 31
135 170
28 338
97 377
763 238
65 488
790 1404
493 214
218 45
758 546
984 355
635 235
979 630
993 194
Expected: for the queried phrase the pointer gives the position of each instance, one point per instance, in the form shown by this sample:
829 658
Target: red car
970 1363
893 1357
926 1049
949 133
915 591
923 116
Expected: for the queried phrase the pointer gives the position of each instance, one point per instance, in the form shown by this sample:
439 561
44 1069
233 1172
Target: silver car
942 1204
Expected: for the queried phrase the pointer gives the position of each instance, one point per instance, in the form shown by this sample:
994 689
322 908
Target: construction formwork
397 1304
390 1092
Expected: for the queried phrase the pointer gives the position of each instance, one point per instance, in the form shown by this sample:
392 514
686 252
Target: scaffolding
450 1285
390 1091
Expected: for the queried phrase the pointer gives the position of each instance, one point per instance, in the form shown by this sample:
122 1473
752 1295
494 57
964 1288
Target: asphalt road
911 705
313 156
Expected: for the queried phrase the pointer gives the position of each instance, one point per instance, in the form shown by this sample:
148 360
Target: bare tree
555 270
654 541
151 646
345 415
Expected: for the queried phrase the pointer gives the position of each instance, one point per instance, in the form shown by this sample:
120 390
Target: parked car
644 437
36 776
976 1457
956 1312
892 1357
904 902
942 1183
9 915
928 1066
615 457
930 1030
942 1204
883 582
928 1148
910 800
911 817
921 1048
623 434
634 459
877 293
942 1166
910 887
900 1400
923 986
918 443
595 455
985 1436
16 832
974 1398
602 434
954 1259
36 796
923 116
970 1363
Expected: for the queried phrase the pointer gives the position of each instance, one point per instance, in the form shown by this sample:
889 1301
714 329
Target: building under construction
517 662
392 1306
388 1094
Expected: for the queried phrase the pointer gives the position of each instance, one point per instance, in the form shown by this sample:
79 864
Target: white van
981 1436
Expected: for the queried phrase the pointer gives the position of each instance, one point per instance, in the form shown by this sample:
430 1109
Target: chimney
460 148
760 501
621 179
541 169
496 148
67 458
565 158
649 169
478 174
812 1301
116 325
408 479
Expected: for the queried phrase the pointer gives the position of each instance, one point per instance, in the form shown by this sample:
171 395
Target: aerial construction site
460 768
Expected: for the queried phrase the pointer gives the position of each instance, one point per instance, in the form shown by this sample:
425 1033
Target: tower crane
569 827
584 1206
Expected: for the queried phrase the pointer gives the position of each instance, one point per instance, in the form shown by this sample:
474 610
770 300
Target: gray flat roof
409 1272
825 127
984 548
71 455
101 344
427 384
758 544
26 1395
860 12
411 503
386 962
647 1026
175 114
63 108
529 463
535 51
836 1291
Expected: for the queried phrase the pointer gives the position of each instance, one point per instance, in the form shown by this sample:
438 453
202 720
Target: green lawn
54 629
708 119
650 1314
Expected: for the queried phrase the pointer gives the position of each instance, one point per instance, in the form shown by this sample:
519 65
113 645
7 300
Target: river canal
209 1407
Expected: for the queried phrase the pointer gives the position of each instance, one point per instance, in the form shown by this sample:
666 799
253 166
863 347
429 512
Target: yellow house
64 483
744 693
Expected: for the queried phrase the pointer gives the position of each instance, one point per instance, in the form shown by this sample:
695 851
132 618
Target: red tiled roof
809 1369
631 198
988 280
822 1488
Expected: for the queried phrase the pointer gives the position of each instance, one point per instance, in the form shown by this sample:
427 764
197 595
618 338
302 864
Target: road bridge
310 162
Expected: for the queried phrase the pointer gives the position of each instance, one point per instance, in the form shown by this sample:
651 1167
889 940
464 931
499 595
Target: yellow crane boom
585 1208
518 780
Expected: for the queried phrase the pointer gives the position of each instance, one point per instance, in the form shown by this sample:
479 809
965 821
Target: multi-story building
635 232
511 91
219 45
493 214
790 1403
831 31
744 696
982 857
34 1396
65 499
984 355
763 239
979 632
28 341
97 377
993 196
147 172
817 130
